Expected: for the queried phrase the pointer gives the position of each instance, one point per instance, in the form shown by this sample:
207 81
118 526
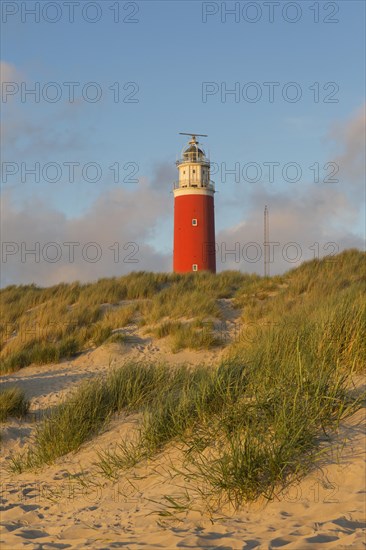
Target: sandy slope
48 510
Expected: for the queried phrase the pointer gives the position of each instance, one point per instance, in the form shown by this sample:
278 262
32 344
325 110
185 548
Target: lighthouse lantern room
194 219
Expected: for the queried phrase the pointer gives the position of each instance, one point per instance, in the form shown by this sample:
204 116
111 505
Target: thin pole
266 242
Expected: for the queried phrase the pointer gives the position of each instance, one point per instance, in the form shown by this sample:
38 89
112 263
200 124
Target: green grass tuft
13 403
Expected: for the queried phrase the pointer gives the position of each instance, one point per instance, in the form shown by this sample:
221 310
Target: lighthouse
194 218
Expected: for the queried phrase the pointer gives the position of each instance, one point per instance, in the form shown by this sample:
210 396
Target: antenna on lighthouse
266 241
192 135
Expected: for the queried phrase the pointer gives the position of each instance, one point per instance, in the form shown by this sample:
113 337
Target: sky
88 157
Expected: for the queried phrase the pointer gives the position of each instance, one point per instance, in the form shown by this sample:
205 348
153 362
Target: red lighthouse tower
194 219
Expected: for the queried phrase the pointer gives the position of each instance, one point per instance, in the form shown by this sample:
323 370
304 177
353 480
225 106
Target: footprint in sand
279 542
322 538
349 523
251 544
30 534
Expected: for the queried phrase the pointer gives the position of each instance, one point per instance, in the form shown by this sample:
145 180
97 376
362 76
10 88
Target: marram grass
46 325
255 421
13 403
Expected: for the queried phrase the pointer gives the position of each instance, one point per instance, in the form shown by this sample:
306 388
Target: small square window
194 267
194 221
194 171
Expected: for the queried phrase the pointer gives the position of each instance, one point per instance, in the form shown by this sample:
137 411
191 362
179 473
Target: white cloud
350 137
306 215
120 222
302 218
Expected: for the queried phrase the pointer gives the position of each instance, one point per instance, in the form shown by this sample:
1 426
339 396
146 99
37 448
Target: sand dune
48 510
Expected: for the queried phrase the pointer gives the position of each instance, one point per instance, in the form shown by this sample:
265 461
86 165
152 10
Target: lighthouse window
194 171
194 267
194 221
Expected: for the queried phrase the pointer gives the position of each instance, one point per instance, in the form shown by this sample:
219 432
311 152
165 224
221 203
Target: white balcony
194 185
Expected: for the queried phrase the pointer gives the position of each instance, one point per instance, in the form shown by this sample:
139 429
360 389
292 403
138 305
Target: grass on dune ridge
44 325
252 422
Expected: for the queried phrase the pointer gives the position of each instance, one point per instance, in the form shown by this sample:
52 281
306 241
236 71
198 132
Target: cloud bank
306 221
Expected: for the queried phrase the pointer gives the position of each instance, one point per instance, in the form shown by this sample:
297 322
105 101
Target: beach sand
48 510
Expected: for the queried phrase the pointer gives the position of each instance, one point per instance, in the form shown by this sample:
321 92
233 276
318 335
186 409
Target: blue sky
168 53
